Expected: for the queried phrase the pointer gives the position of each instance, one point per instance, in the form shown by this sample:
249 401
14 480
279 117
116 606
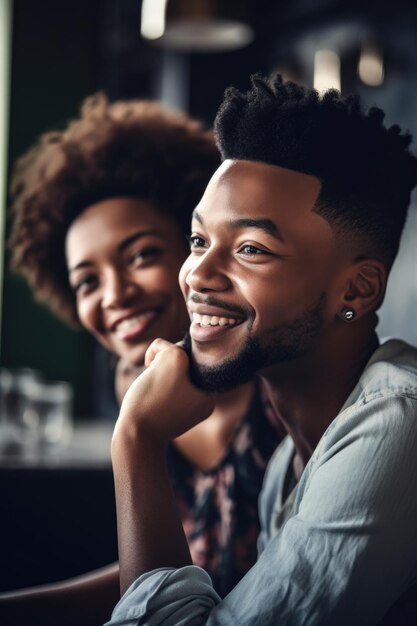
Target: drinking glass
34 415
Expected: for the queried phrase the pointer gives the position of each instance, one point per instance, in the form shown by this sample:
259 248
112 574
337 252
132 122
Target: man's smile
205 328
214 320
211 319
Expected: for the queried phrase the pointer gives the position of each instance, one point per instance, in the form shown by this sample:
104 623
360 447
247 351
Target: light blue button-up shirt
342 549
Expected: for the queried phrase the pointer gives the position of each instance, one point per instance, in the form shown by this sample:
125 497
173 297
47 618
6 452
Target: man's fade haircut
366 170
123 149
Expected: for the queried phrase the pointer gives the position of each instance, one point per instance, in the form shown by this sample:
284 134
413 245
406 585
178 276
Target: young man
291 246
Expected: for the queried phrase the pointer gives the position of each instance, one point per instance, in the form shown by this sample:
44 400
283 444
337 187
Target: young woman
100 212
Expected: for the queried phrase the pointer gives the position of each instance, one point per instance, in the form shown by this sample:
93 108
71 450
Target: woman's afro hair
122 149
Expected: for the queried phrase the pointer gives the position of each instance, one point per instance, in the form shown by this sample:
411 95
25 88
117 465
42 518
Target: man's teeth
129 323
213 320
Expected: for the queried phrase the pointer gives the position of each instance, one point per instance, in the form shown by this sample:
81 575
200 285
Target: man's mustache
210 301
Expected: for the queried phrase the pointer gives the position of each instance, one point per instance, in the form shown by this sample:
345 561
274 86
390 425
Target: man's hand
162 403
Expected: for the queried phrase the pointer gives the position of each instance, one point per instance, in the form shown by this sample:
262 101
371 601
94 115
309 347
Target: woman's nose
118 290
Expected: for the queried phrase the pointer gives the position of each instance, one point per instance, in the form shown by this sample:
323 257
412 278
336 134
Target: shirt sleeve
167 596
344 557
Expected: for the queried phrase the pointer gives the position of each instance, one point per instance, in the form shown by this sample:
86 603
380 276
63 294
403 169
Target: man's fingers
157 346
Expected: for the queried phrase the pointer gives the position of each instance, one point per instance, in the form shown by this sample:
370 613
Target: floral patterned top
219 506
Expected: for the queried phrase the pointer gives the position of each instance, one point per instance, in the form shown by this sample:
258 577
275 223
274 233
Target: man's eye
251 250
196 242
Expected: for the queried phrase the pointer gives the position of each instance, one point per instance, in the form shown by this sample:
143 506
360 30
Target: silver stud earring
347 314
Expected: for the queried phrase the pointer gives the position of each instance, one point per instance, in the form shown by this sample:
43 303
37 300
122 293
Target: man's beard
281 343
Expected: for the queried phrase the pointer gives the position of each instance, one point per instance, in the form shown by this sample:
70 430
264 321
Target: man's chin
283 344
220 376
217 379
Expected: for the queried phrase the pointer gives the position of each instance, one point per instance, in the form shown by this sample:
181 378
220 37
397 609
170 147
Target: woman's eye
144 255
196 242
84 285
251 250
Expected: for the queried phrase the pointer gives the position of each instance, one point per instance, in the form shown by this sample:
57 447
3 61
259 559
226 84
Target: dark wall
55 61
55 524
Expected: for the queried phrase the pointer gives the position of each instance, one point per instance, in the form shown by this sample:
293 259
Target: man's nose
118 290
207 273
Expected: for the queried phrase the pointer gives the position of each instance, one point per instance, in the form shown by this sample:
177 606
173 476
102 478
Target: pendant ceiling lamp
196 25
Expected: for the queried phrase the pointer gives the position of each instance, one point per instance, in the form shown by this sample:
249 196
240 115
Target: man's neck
309 392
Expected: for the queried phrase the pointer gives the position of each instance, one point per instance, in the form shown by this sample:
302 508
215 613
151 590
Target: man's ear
364 288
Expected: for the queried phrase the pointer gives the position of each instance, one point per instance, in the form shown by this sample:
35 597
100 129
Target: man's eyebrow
265 224
121 247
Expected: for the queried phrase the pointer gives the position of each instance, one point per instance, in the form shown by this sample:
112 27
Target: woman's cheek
88 317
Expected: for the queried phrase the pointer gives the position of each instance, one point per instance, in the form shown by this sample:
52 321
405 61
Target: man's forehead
257 171
247 186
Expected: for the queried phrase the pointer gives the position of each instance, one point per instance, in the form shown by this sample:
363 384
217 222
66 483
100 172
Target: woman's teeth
129 323
213 320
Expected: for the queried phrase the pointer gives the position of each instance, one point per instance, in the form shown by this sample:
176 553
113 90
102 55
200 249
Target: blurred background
184 53
61 52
